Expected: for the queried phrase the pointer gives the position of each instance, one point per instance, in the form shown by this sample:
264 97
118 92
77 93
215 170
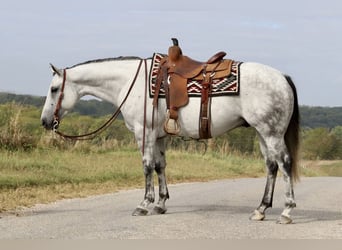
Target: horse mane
120 58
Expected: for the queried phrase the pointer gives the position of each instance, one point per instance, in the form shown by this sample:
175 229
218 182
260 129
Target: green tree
319 143
337 132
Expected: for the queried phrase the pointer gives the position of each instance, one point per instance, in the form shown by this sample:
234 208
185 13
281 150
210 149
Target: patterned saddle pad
225 86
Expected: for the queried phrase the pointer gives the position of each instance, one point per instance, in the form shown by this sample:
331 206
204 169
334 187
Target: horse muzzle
50 125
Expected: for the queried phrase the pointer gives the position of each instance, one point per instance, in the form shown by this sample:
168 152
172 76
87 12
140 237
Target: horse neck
104 80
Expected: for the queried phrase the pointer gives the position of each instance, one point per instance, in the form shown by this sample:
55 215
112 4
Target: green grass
41 168
41 176
321 168
51 167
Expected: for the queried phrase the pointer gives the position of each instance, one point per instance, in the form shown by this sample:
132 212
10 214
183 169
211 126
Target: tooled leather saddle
174 73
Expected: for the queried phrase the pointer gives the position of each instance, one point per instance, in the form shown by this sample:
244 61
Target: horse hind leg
285 167
272 170
281 155
266 202
277 156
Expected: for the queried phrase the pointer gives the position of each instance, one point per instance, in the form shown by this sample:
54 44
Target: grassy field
42 176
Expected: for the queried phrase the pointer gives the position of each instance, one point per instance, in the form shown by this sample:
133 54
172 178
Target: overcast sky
301 38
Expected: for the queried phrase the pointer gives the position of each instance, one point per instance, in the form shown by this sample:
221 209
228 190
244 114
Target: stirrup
171 126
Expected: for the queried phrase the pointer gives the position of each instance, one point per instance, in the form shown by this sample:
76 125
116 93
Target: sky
301 38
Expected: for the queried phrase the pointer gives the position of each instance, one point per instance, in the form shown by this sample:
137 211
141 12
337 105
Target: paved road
215 210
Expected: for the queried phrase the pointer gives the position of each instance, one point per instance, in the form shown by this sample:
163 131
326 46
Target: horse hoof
284 220
159 210
257 216
140 211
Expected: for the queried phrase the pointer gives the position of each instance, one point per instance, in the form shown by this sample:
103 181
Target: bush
319 144
240 140
12 135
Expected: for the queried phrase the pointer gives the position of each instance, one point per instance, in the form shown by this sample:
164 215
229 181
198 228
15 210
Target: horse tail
292 132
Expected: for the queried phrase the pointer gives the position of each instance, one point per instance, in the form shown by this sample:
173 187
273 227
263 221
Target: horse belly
225 115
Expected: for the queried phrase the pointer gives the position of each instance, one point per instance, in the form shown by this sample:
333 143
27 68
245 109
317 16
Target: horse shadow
299 216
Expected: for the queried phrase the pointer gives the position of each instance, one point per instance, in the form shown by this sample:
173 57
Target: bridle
92 134
56 118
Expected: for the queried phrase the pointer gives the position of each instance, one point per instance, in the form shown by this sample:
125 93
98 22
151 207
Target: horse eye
54 89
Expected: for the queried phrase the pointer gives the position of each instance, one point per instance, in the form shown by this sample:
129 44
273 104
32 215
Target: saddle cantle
174 73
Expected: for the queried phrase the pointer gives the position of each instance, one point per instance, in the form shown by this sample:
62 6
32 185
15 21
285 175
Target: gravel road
212 210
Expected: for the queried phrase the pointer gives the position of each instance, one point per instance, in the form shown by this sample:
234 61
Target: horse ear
55 70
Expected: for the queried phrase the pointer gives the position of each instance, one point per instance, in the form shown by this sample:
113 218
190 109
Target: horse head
61 97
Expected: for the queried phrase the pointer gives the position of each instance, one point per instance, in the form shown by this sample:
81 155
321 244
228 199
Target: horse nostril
44 123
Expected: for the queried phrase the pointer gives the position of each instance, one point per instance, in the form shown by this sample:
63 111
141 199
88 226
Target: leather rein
91 135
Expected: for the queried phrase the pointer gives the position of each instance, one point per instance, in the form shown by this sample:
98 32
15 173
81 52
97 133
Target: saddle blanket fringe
228 85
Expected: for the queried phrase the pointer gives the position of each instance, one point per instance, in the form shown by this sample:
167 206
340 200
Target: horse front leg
148 151
142 208
160 166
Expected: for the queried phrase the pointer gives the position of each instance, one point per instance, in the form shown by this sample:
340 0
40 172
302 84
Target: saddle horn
175 41
174 51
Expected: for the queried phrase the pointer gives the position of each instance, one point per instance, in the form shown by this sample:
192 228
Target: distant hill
314 117
84 107
311 117
22 99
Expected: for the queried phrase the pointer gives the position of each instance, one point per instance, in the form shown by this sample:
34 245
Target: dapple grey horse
267 101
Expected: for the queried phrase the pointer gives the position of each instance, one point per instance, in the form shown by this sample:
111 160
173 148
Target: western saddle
174 73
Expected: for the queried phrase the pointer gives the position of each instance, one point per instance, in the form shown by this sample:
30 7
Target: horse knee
148 169
148 163
159 167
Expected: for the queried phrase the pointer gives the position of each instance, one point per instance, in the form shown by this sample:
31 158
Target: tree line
311 117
